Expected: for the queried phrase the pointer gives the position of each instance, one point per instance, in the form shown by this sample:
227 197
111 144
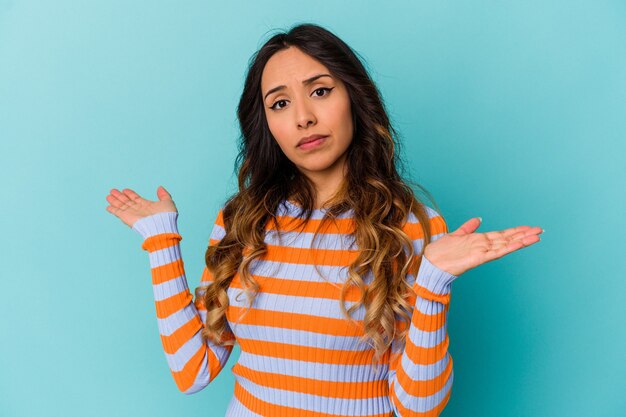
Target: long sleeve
193 363
420 379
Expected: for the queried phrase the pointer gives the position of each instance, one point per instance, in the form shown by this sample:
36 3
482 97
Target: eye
273 106
323 89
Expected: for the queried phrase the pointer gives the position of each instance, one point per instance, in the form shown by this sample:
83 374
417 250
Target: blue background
513 111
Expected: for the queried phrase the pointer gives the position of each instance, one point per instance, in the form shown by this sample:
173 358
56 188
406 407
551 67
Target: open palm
129 206
464 249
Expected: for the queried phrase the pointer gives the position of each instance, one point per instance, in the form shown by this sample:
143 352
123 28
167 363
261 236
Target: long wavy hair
378 196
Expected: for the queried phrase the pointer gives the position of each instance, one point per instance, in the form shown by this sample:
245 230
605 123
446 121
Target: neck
328 182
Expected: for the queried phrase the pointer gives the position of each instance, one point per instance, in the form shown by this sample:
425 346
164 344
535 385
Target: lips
310 139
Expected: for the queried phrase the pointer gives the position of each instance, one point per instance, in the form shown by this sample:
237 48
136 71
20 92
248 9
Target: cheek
342 122
280 133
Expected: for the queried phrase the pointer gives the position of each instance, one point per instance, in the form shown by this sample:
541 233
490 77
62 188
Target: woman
321 219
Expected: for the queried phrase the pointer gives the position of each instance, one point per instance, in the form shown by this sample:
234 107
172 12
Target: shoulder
436 224
219 230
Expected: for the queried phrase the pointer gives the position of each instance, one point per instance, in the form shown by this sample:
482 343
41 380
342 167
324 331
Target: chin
316 167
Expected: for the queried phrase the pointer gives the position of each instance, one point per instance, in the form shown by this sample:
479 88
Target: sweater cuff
155 224
433 279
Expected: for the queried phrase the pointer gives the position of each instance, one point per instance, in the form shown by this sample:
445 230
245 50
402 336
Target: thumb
163 194
468 227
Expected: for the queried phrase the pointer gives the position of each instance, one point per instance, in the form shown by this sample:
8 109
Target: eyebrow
305 82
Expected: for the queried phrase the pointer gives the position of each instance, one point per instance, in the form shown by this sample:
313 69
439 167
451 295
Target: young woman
326 269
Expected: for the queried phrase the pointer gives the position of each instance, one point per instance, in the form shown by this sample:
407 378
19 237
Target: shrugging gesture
129 206
464 249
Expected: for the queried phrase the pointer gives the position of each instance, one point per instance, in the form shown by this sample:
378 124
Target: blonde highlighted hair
380 199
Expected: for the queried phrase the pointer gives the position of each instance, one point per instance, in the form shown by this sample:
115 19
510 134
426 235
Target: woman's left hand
462 250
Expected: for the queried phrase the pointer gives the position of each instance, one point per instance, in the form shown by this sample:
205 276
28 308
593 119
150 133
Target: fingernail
543 230
480 219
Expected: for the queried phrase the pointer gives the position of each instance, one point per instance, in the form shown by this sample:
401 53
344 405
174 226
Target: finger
118 213
115 201
499 249
533 231
506 233
133 199
120 196
132 196
504 237
162 193
468 227
113 210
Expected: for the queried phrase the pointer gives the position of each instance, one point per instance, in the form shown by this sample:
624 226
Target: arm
193 363
420 377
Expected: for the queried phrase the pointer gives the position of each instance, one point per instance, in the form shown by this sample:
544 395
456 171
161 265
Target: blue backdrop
513 111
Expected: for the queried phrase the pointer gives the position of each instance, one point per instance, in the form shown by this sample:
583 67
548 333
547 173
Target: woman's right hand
129 206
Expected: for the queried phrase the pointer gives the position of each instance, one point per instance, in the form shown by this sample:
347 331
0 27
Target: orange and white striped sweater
299 355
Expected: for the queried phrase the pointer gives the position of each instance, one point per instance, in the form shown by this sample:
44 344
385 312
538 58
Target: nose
304 114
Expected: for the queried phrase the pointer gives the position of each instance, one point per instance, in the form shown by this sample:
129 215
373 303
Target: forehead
289 66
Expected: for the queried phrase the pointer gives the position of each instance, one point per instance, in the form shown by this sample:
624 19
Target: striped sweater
299 355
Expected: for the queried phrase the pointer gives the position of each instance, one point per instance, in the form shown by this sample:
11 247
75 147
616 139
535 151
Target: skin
303 110
299 110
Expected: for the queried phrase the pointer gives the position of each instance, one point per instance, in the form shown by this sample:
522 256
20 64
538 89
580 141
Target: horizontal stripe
175 320
428 295
202 380
350 372
424 386
169 288
310 256
302 272
174 341
290 209
191 355
164 256
181 357
300 337
328 241
425 356
192 369
161 241
217 233
155 224
315 225
412 405
295 383
426 339
309 273
172 304
424 372
284 286
337 327
277 297
308 402
168 271
333 241
297 290
428 322
300 355
307 306
305 353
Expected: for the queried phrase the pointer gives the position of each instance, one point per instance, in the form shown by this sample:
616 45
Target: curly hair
379 197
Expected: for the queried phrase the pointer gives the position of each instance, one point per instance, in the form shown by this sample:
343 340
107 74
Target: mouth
312 144
310 141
